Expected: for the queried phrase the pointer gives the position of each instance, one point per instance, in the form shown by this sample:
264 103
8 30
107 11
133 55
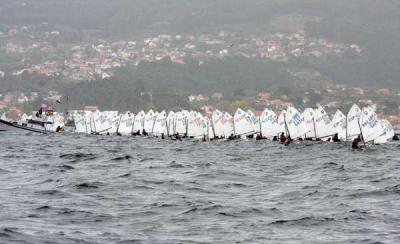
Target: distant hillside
372 24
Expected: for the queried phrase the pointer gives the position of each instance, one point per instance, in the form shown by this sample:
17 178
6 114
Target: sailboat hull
9 126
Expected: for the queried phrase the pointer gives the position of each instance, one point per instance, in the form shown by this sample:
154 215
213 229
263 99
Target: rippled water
89 189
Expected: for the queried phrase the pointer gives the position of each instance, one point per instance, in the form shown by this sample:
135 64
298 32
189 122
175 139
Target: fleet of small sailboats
311 124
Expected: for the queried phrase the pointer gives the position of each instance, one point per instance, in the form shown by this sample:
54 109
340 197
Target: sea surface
102 189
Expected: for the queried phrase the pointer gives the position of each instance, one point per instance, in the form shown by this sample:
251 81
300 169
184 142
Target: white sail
242 123
282 122
110 125
149 120
353 122
228 125
4 117
208 130
139 122
370 125
268 124
125 125
323 124
295 123
222 124
339 124
107 123
80 124
254 121
113 122
309 121
23 120
181 123
171 119
90 125
102 122
196 125
160 125
218 123
97 122
388 132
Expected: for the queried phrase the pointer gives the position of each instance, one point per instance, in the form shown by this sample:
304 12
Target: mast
119 123
212 126
174 124
86 124
154 123
359 125
186 126
143 121
315 129
346 128
233 123
167 126
286 126
133 124
94 125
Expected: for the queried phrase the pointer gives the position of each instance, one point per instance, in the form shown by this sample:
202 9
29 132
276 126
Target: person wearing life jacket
144 133
178 137
288 141
336 138
39 113
231 137
137 133
354 145
356 141
395 137
275 138
282 138
360 138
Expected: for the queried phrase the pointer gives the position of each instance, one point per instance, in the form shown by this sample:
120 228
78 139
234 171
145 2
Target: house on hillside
91 108
358 91
198 98
217 96
384 91
264 97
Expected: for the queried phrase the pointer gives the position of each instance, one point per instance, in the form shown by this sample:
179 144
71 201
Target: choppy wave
93 189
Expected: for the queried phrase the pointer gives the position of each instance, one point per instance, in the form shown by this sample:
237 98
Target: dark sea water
94 189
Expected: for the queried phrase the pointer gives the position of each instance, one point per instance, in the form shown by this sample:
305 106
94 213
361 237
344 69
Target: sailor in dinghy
295 125
269 127
243 125
339 126
309 121
160 125
323 125
138 124
388 133
353 123
371 128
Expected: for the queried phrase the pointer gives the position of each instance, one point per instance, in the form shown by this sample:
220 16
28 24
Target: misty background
372 25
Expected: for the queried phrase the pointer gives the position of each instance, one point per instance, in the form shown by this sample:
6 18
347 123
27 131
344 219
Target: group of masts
311 124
